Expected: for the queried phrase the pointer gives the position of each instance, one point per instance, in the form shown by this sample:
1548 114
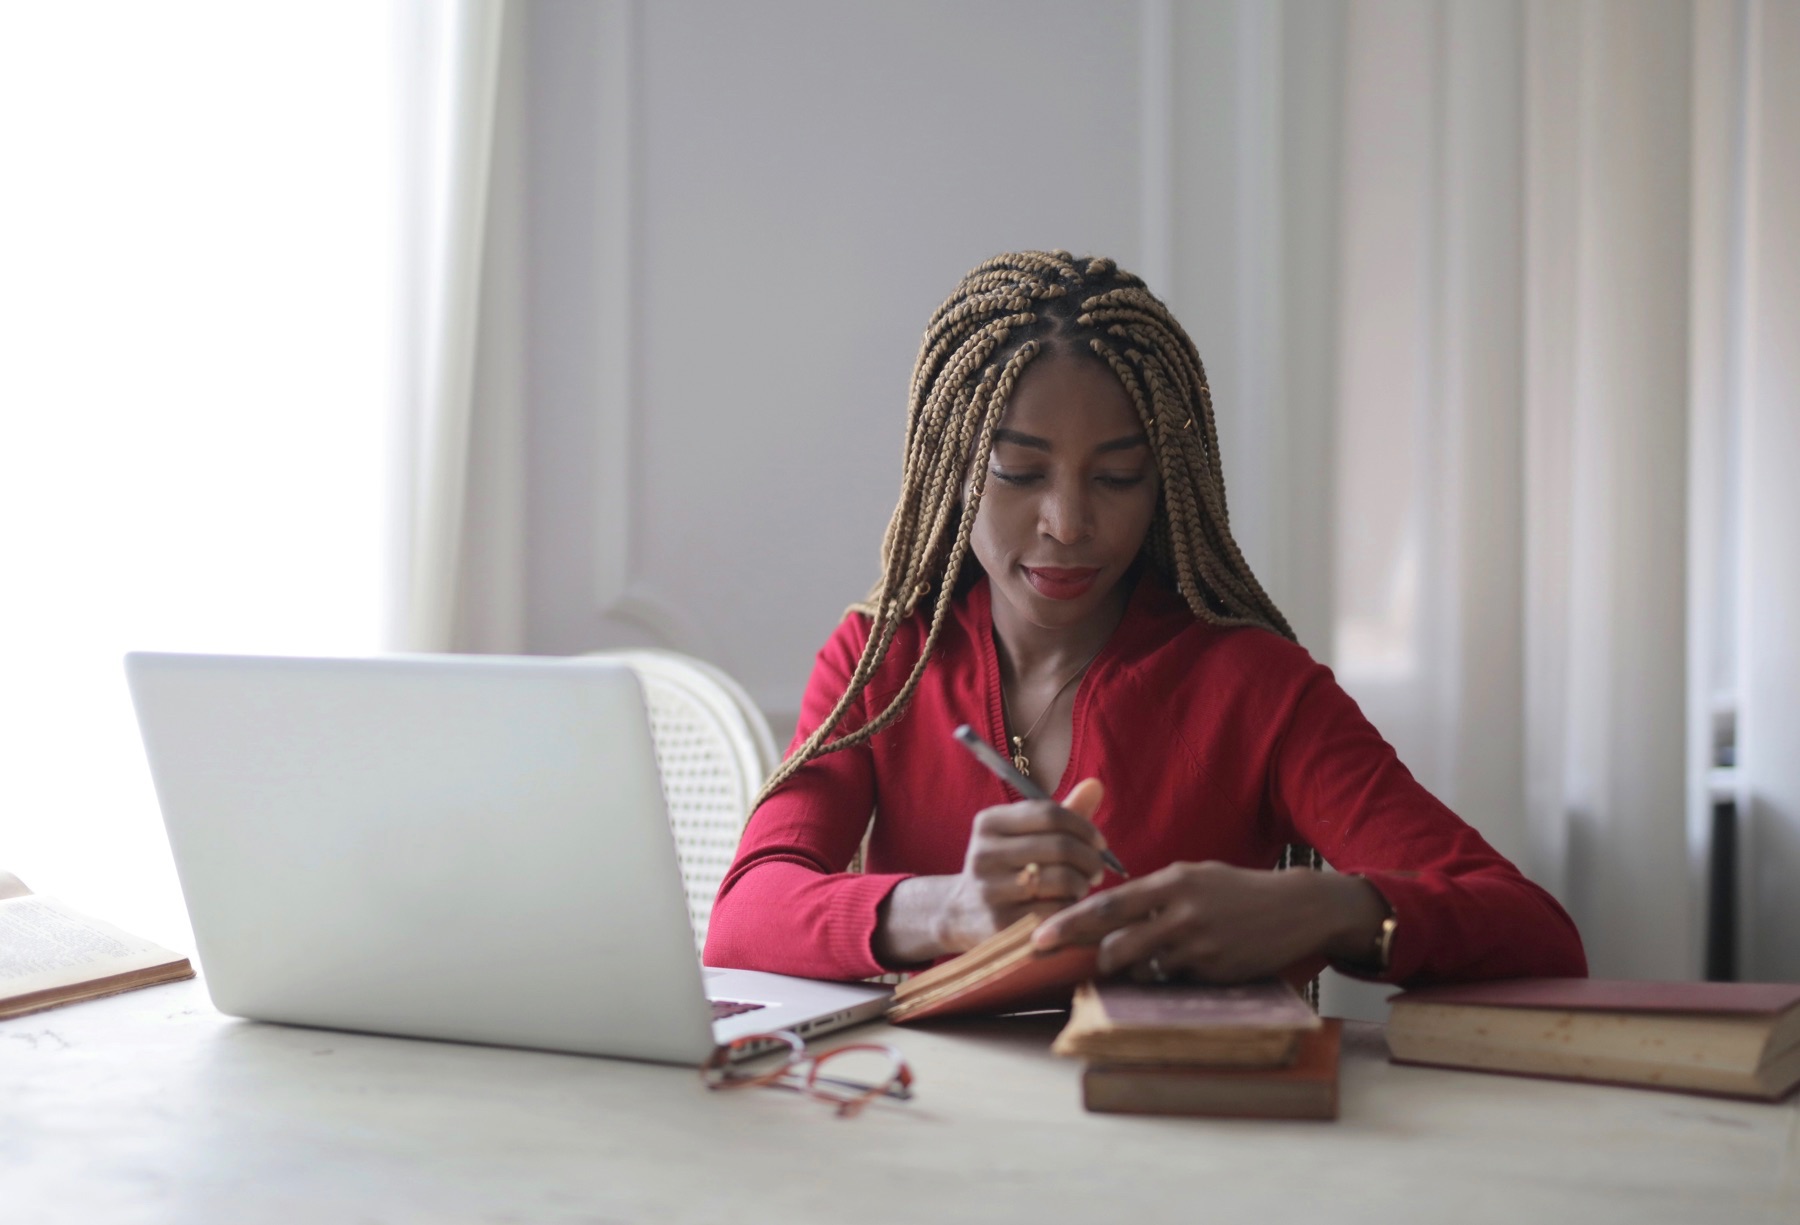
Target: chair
1299 855
714 750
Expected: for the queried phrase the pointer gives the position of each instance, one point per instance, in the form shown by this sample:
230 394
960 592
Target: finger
1084 798
1004 856
1145 972
1093 919
1051 883
1136 943
1084 801
1199 955
1041 817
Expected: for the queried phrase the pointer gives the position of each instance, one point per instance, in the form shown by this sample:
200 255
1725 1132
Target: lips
1058 583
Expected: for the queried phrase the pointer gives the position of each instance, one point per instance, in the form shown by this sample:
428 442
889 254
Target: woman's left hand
1218 923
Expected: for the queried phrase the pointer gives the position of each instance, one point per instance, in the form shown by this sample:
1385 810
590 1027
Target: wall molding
1156 144
618 595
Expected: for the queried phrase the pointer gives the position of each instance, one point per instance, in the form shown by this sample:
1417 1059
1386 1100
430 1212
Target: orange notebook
1003 973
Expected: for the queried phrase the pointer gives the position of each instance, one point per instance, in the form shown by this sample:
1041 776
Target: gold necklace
1021 762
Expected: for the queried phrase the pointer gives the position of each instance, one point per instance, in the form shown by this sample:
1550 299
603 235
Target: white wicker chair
714 750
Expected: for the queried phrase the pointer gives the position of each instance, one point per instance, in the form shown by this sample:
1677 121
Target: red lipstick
1060 584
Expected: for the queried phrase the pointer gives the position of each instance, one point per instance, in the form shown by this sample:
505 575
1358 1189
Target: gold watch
1383 948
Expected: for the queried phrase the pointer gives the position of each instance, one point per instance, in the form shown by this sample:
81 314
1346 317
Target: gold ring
1028 878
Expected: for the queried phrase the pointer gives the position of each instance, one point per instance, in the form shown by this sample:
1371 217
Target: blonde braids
1006 312
906 570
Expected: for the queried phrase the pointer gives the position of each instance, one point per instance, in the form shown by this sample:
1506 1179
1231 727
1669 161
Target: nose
1066 514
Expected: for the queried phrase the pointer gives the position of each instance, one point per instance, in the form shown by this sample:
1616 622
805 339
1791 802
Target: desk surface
151 1107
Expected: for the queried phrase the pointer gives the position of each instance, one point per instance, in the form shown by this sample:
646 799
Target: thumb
1084 797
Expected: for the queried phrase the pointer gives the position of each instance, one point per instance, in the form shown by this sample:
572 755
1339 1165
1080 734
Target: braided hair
1005 313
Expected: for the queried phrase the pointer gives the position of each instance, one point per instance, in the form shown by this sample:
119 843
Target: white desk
151 1107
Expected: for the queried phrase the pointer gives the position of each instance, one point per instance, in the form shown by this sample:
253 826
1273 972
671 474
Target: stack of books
1249 1051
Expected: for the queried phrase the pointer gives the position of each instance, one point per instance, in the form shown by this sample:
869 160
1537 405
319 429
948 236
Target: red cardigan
1213 743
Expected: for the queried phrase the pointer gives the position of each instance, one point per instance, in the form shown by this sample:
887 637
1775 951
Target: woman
1060 574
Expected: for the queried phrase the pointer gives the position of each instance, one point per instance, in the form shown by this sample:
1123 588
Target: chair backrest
1299 855
714 751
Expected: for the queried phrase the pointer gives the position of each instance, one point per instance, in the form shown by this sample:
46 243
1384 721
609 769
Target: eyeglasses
859 1072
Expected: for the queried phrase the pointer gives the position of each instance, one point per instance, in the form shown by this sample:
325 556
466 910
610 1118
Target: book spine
1106 1090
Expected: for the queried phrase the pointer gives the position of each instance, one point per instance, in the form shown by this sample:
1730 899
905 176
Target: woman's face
1071 491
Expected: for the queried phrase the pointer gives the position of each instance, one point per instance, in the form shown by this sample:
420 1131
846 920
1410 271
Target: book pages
46 945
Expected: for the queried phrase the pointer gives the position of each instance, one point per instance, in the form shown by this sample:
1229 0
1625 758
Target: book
1304 1088
1003 973
1255 1024
52 954
1730 1039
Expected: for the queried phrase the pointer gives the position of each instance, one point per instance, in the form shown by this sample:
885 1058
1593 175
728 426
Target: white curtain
1503 320
1752 76
458 505
1564 400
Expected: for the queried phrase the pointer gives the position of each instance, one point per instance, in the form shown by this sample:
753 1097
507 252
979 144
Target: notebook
456 847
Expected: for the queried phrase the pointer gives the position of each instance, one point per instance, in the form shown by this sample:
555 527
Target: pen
1006 772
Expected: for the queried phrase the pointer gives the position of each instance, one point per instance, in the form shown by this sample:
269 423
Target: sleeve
787 905
1463 910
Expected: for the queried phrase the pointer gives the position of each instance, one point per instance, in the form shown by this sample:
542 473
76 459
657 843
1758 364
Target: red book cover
1613 995
1042 981
1004 973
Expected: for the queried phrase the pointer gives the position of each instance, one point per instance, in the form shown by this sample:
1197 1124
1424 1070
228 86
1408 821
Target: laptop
458 847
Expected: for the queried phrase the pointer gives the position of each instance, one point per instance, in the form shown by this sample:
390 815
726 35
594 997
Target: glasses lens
852 1073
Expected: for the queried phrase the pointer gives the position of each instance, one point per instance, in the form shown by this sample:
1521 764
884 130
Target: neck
1031 652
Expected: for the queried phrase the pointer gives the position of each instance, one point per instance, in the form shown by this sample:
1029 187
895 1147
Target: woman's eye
1031 478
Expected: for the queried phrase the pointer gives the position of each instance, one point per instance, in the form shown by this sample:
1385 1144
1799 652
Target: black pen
1007 773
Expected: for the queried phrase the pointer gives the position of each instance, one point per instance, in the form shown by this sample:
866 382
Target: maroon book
1614 994
1732 1039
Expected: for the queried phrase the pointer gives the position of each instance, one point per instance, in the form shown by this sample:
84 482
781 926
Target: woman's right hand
1032 857
927 917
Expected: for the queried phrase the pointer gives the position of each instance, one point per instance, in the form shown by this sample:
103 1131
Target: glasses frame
719 1073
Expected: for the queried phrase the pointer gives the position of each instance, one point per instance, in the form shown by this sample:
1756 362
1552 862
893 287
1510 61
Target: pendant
1021 763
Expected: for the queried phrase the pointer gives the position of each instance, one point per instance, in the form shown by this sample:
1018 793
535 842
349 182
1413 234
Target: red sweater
1213 743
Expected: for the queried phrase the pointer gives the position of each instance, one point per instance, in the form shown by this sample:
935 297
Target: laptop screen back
450 847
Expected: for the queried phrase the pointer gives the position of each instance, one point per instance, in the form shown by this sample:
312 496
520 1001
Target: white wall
737 235
1434 229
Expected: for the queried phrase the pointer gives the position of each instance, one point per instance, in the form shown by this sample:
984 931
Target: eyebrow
1043 444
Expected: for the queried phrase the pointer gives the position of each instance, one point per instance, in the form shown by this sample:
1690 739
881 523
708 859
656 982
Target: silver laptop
460 847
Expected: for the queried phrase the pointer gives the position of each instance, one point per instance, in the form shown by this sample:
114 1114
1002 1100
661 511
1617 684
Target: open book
1004 973
52 954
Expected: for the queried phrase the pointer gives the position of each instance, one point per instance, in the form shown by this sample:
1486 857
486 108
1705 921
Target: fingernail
1097 877
1044 938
